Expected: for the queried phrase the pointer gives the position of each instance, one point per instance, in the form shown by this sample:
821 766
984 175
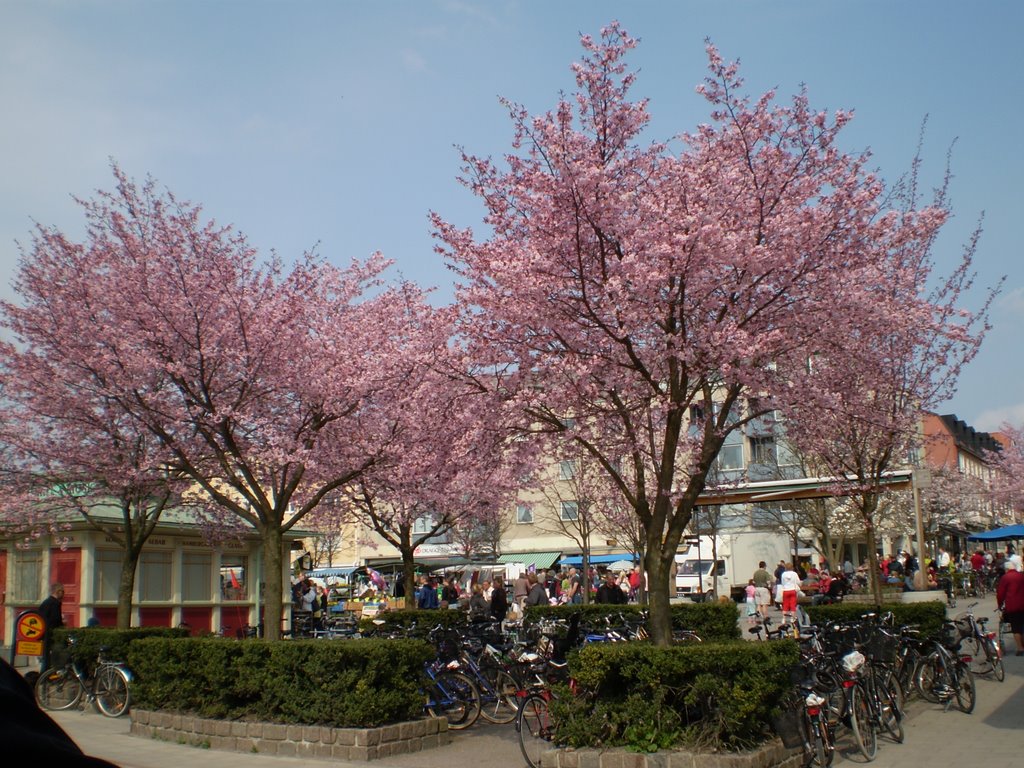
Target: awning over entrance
802 488
323 573
596 559
1007 533
528 559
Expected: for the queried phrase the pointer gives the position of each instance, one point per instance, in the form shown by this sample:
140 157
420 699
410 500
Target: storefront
181 579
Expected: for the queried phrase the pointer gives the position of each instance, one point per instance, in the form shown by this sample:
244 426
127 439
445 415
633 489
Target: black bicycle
944 676
63 685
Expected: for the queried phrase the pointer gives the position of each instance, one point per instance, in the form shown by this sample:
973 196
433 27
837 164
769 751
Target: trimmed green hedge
927 616
89 640
352 683
708 695
711 621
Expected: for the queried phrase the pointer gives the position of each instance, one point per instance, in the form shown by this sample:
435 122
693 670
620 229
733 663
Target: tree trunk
659 570
409 578
273 590
126 587
868 512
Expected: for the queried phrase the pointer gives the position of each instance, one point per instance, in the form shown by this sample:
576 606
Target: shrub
356 683
928 617
88 641
716 695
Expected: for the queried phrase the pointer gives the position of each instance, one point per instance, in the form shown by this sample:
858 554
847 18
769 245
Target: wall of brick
293 740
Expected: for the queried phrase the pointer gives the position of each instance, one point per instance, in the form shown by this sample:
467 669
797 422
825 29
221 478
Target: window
524 514
730 457
567 470
422 524
233 577
696 414
762 451
196 568
107 574
570 510
28 569
154 576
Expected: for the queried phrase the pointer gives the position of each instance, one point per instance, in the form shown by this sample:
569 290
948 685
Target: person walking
520 589
762 581
789 582
777 596
51 609
1010 599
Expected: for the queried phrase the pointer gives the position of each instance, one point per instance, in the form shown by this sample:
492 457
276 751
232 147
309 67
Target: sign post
28 635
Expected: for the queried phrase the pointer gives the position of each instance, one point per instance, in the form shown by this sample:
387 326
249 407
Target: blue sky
334 124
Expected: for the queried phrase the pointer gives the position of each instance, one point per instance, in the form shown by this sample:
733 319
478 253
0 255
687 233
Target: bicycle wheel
58 689
113 696
501 702
995 659
929 672
817 744
890 709
456 697
533 726
965 693
864 735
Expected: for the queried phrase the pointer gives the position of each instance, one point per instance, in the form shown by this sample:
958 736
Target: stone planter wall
773 755
293 740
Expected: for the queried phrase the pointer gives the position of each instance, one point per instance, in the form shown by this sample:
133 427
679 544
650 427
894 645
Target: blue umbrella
1005 533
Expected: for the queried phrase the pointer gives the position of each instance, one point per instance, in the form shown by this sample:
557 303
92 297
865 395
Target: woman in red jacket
1010 598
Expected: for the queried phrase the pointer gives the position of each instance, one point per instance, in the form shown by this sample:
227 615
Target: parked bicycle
943 676
979 644
63 685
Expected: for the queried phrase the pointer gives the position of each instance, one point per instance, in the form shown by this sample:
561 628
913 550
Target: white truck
722 565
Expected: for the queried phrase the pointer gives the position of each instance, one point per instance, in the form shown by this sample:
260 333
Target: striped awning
528 559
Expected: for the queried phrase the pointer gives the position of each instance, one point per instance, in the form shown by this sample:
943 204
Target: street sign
29 634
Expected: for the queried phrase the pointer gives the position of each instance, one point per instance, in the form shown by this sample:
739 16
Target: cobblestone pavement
993 735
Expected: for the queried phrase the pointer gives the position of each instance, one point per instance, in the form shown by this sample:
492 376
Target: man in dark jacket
610 591
499 599
426 595
51 609
537 594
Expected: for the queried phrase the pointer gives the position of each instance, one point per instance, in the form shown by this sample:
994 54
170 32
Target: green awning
535 559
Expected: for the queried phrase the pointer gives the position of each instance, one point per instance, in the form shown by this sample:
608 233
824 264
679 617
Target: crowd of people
543 587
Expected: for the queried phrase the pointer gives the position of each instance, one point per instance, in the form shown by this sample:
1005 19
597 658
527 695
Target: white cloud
413 61
990 420
1012 302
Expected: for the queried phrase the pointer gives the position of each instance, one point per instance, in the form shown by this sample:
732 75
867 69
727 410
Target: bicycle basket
448 646
787 724
881 646
59 657
950 635
963 628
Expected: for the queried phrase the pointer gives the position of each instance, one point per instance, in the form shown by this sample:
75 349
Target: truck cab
701 578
